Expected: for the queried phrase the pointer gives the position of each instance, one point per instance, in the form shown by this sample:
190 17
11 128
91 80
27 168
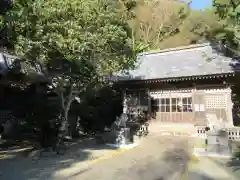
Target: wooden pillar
149 105
199 107
229 107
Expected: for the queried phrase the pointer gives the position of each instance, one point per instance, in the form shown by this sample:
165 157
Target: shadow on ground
26 168
200 176
176 160
230 165
234 163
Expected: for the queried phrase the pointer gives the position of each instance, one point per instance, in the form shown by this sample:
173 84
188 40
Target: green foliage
5 5
79 36
229 33
77 42
83 32
99 108
30 110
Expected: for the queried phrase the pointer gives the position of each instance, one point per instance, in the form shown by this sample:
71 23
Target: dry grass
200 146
199 143
194 159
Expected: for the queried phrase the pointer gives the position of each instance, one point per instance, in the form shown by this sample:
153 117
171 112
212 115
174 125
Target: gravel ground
156 158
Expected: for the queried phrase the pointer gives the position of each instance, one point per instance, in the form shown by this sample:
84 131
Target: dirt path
157 158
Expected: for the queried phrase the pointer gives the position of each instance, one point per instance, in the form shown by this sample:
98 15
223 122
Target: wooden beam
149 104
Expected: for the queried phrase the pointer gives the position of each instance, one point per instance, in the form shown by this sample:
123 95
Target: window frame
177 102
188 104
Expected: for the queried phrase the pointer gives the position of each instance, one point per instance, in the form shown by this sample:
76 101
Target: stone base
136 139
177 133
202 152
123 146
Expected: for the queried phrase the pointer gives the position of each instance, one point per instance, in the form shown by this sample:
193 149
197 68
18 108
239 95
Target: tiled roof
7 64
6 61
194 60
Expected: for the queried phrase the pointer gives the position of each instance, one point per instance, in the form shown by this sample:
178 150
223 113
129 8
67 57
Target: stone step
170 133
172 129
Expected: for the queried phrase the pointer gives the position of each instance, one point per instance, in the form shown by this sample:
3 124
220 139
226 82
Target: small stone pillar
123 136
217 142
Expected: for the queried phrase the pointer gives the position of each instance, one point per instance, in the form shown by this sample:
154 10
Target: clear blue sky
201 4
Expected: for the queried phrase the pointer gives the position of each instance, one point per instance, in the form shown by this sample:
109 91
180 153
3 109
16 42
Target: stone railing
200 131
233 133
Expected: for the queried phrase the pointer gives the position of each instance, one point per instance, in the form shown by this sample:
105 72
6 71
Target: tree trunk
66 104
64 130
63 127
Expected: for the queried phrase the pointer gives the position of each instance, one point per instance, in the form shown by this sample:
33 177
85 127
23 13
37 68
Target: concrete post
149 105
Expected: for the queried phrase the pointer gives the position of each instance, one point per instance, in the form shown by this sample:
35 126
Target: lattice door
217 101
217 104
